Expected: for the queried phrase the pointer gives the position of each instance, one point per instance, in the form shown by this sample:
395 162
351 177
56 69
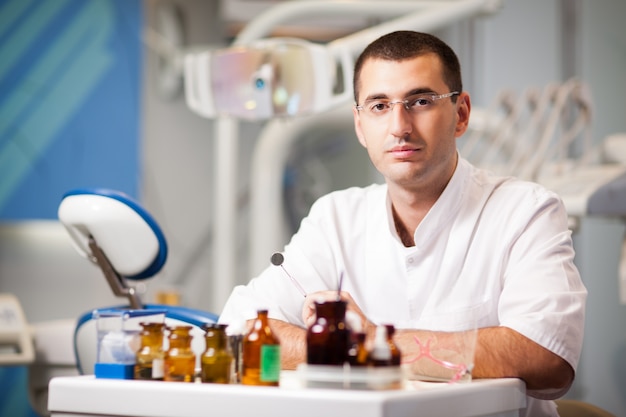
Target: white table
86 396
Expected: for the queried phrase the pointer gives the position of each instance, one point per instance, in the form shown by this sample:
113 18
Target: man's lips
402 152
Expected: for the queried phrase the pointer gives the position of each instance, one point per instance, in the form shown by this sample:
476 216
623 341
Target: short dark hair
405 44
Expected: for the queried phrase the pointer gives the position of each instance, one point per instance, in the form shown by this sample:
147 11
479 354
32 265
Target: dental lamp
267 78
118 235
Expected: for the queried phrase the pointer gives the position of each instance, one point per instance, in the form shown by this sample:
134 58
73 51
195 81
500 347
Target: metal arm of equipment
115 280
447 11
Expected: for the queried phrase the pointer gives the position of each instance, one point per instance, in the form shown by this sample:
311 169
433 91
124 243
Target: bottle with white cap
380 355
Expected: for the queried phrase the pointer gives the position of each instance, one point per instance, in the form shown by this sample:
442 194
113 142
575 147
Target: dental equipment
115 232
16 340
572 95
267 78
277 260
485 124
531 135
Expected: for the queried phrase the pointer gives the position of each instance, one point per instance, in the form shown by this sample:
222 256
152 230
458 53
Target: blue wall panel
70 95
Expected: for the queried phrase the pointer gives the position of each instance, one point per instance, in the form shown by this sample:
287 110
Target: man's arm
502 352
292 340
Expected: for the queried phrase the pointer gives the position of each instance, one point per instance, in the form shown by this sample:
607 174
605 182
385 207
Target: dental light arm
116 233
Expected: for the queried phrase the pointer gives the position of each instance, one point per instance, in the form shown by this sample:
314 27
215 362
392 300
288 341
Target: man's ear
357 127
463 109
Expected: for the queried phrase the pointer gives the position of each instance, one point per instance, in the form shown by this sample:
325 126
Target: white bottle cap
381 350
236 328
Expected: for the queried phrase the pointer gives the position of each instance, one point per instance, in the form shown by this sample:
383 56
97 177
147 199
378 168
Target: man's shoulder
516 191
352 200
488 178
346 195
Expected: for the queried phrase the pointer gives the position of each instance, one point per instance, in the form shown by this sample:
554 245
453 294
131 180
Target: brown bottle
217 360
235 332
150 356
180 360
358 354
396 355
261 354
328 337
380 355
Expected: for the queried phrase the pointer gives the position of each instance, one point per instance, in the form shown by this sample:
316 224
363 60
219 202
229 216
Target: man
440 242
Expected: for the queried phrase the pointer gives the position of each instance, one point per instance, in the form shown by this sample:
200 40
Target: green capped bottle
261 354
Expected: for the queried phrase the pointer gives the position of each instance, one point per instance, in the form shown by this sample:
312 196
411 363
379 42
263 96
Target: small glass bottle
380 355
261 354
358 354
217 361
396 355
150 356
235 332
328 338
180 360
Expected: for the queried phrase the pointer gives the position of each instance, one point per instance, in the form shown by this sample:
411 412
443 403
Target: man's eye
421 102
379 107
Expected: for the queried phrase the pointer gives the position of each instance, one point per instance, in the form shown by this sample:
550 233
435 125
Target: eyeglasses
413 104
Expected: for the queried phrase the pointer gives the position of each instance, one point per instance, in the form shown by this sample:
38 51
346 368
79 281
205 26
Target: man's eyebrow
422 90
410 93
376 96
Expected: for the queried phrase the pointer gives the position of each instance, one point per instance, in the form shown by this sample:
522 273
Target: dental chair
114 232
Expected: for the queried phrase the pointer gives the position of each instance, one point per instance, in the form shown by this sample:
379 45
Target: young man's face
412 149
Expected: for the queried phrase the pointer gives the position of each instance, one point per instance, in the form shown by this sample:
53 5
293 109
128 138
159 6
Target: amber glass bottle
396 356
358 354
328 338
150 356
180 360
261 354
235 332
217 360
380 355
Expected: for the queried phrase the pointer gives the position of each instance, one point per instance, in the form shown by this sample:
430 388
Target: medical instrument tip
277 259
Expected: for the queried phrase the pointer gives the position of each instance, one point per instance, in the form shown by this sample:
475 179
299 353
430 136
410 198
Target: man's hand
352 308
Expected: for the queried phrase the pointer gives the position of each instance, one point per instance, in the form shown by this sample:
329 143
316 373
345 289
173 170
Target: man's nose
400 120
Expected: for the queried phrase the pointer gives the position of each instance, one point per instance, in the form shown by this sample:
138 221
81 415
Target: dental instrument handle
277 260
339 286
